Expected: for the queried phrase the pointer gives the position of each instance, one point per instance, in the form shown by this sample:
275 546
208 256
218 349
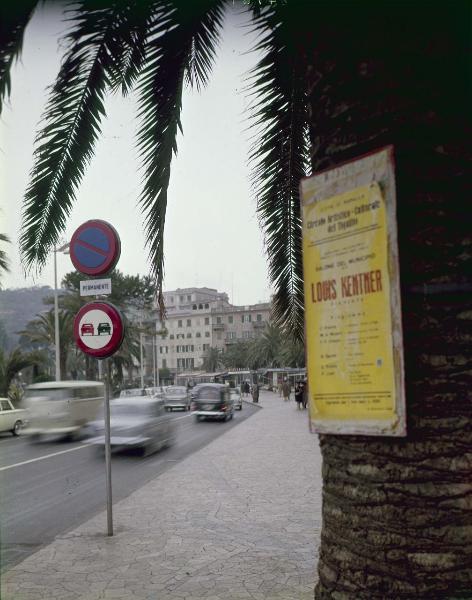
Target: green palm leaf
3 255
185 53
280 157
71 123
14 17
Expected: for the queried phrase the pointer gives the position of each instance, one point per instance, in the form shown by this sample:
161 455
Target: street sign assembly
95 247
98 329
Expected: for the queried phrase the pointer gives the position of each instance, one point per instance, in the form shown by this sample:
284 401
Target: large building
198 319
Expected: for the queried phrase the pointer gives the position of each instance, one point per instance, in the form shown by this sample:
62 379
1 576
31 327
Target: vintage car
104 328
136 422
87 329
11 418
235 395
212 401
62 408
176 396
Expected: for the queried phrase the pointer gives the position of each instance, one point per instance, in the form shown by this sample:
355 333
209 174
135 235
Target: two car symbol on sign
87 329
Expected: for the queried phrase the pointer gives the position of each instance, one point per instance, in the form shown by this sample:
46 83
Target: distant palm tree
212 360
266 350
40 333
12 364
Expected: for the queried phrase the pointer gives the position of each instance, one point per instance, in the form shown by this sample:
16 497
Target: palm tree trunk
396 512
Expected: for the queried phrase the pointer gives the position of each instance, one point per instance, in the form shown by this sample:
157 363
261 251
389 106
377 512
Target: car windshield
176 391
208 394
138 409
48 394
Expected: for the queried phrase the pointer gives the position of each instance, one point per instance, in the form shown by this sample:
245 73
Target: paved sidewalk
237 520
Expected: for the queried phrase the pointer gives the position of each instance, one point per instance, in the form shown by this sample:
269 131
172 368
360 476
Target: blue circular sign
95 247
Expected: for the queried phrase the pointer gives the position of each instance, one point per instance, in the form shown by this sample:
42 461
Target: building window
198 334
164 363
207 320
230 319
179 323
189 298
194 307
218 320
259 318
171 336
189 322
231 335
181 298
206 347
189 335
242 318
207 334
200 306
172 299
207 306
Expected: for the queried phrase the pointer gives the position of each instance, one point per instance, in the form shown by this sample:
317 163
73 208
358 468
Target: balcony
259 324
218 326
229 341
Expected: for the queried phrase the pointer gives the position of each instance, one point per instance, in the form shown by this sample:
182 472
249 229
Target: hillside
17 307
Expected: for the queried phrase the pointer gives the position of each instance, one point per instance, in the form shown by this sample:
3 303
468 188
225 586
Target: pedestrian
279 388
286 390
305 393
255 393
247 389
299 395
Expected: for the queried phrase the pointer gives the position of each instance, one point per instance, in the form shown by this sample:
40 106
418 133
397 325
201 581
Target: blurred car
104 328
155 392
235 395
87 328
62 409
212 401
11 418
136 422
176 396
133 392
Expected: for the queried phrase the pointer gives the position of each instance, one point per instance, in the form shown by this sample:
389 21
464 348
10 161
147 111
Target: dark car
104 328
212 401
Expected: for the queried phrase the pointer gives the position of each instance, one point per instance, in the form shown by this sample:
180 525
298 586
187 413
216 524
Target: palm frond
71 123
184 52
4 262
280 157
14 17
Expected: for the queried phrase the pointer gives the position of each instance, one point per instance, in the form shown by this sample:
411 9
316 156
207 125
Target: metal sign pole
108 448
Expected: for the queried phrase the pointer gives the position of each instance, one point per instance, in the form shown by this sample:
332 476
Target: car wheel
16 428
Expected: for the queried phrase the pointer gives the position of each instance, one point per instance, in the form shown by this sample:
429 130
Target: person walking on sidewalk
255 393
247 388
299 395
286 390
304 393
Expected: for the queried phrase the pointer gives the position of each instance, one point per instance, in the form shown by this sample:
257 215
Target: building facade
198 319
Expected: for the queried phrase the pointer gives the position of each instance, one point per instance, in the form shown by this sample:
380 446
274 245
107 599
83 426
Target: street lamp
64 248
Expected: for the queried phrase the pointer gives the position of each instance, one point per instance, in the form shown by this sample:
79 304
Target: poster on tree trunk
353 327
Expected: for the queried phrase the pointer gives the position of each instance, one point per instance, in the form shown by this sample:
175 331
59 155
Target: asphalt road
49 488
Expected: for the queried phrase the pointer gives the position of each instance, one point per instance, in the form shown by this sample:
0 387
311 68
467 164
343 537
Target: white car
176 396
11 418
235 396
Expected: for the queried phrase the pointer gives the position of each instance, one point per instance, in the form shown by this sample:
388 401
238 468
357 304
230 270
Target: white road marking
32 460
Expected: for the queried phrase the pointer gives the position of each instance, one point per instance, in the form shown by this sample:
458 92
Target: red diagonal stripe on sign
93 248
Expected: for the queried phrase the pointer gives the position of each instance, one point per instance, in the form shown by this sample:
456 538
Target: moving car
133 392
212 401
235 395
62 408
11 418
176 396
136 422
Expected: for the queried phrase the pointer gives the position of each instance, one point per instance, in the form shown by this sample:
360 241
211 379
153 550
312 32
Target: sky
212 236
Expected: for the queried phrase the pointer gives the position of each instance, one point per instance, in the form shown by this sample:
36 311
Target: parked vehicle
176 396
212 401
235 395
11 418
136 422
62 408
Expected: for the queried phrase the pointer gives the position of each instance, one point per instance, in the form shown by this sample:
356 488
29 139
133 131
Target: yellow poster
351 356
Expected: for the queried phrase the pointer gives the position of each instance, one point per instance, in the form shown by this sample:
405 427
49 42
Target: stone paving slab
237 520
